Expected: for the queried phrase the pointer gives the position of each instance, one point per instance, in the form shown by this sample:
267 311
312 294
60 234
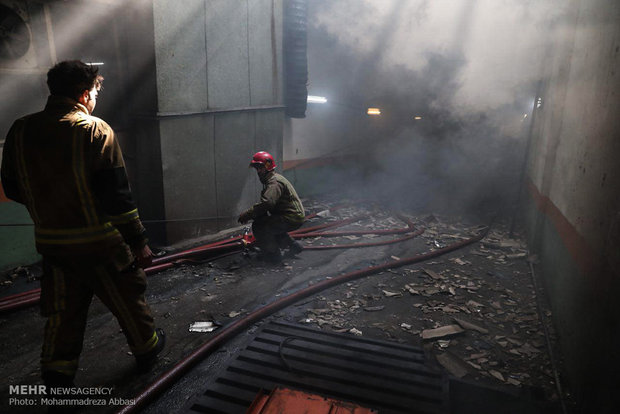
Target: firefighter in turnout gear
278 212
66 167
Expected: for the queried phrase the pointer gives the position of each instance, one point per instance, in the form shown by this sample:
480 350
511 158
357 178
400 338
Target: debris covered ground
474 310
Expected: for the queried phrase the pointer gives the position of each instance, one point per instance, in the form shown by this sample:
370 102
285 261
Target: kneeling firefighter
278 212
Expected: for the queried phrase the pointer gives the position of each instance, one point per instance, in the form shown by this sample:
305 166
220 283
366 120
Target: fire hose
224 248
168 378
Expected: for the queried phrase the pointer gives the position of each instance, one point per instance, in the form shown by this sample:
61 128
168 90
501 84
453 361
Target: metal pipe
178 370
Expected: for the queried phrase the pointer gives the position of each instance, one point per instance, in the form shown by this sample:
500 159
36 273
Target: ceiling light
316 99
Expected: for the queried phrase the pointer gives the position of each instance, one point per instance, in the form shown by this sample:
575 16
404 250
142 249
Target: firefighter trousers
271 232
67 288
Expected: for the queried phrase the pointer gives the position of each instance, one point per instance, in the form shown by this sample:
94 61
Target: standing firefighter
66 166
278 211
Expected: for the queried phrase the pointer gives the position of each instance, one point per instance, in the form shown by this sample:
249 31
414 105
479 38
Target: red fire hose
31 297
169 377
219 248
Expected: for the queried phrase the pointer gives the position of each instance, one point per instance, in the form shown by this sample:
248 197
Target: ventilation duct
295 57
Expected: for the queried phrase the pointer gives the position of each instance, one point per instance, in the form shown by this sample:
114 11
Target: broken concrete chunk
497 375
319 311
431 291
356 332
459 261
468 325
411 290
432 274
453 364
528 349
441 332
514 341
476 356
513 381
478 367
474 304
443 343
374 308
391 294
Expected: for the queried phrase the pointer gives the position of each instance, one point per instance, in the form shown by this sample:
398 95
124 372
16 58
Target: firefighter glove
244 217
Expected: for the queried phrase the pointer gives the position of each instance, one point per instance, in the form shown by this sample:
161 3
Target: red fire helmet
263 158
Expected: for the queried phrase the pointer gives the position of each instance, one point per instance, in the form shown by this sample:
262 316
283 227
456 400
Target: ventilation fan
14 35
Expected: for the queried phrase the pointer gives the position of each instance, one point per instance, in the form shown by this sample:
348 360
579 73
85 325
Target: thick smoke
469 68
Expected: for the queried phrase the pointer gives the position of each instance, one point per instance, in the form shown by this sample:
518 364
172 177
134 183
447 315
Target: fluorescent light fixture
316 99
374 111
95 63
417 118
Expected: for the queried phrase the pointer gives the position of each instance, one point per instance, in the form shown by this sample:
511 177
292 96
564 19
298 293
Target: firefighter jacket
67 168
278 198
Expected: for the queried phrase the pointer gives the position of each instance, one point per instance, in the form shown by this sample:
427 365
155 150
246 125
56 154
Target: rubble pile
474 309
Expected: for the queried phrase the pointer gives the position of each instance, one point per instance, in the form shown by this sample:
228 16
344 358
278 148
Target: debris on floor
476 307
207 326
473 310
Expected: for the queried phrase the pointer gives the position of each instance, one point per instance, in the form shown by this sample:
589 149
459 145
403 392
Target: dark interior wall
573 181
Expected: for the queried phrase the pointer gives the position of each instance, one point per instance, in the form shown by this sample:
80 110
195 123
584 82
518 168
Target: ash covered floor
482 298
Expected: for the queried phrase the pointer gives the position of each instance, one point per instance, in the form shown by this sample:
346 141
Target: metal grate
387 377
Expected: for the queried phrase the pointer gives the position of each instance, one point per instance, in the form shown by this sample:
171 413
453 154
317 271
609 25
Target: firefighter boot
294 249
146 361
